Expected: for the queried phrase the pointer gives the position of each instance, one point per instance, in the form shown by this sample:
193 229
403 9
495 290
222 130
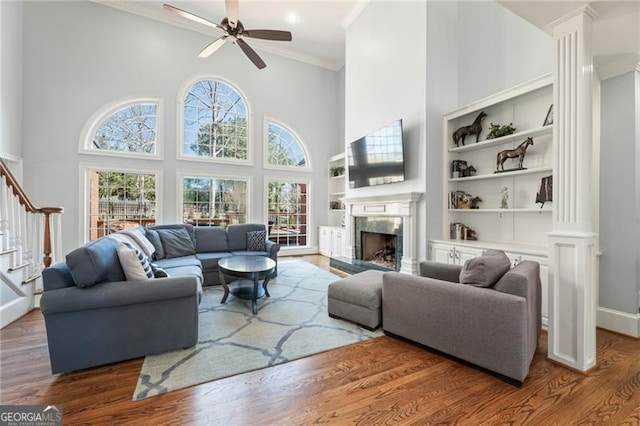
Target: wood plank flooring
378 382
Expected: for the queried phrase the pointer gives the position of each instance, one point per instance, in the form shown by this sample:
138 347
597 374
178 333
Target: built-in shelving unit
337 189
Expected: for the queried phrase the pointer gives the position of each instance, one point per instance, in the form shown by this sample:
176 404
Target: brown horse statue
472 129
519 152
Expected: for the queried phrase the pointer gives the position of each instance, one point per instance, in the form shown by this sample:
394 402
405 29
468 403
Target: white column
572 242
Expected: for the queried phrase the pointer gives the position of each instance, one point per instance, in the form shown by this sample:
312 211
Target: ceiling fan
234 30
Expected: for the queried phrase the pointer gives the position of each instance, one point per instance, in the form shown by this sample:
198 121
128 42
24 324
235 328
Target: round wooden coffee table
249 270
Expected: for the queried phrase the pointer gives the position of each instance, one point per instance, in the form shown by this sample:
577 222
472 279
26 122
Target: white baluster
5 194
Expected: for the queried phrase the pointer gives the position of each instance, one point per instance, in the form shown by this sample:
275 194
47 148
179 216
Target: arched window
215 122
125 128
284 149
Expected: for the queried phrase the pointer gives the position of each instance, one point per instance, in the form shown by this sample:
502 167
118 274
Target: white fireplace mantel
394 205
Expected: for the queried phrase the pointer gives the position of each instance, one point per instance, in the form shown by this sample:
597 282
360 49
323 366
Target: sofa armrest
273 249
116 294
480 325
440 271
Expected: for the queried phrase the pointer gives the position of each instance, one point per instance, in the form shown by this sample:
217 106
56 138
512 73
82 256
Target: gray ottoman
358 299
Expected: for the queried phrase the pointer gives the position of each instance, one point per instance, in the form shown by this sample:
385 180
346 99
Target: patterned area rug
291 324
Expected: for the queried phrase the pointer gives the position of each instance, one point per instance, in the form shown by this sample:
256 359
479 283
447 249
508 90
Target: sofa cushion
176 243
138 234
210 260
237 235
211 239
57 276
250 253
154 239
135 263
257 241
485 270
186 226
95 262
178 261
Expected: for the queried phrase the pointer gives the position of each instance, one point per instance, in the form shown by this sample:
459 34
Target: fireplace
379 248
394 217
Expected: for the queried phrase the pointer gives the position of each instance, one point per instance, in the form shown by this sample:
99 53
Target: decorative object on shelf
505 198
497 131
336 171
519 152
549 118
546 190
473 129
460 168
463 200
336 205
460 231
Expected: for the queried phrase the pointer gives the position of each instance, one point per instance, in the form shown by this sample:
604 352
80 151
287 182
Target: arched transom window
284 149
215 121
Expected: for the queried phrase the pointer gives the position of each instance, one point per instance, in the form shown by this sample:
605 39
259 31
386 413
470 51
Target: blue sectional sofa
95 316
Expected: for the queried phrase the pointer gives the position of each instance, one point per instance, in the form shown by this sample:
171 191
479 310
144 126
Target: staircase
29 242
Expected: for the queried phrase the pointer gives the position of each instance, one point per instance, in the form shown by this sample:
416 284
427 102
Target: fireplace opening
379 248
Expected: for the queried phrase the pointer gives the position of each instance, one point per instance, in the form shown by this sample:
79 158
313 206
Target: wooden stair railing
18 192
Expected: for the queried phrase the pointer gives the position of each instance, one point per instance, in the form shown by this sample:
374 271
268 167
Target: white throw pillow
135 264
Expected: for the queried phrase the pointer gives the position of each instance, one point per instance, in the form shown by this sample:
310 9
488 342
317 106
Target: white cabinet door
324 241
337 242
442 253
462 254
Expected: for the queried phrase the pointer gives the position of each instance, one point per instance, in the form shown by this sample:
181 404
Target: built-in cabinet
486 207
458 252
331 241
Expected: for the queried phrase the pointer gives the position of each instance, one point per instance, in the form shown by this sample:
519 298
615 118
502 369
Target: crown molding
353 14
584 9
613 66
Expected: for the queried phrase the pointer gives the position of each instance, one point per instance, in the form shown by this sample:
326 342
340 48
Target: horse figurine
473 129
519 152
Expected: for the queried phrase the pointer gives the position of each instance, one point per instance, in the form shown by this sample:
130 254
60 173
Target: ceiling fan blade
191 16
217 44
251 54
268 34
233 12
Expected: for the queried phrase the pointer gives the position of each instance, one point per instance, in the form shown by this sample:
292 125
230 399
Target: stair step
17 268
8 251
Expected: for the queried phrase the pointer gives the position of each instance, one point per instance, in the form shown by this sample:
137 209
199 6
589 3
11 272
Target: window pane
215 121
287 207
284 149
131 129
120 200
214 201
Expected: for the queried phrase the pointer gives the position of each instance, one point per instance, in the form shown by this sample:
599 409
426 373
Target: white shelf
532 133
338 194
524 210
503 174
337 210
337 177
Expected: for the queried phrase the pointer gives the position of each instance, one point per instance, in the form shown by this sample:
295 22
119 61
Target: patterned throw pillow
158 272
135 263
257 241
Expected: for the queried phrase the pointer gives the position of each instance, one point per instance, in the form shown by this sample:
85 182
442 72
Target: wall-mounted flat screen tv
377 158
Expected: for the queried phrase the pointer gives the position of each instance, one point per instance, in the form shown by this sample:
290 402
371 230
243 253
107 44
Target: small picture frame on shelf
549 118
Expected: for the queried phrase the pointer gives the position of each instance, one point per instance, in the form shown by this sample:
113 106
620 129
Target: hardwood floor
380 381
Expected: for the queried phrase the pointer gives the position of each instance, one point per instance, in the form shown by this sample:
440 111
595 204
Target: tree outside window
284 149
120 200
215 122
214 201
131 129
287 206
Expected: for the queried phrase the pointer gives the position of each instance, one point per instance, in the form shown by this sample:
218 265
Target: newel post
48 211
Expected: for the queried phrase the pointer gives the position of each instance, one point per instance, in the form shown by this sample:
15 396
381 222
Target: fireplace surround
393 215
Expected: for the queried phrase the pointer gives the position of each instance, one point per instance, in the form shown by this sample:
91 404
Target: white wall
497 50
79 56
386 56
619 215
11 78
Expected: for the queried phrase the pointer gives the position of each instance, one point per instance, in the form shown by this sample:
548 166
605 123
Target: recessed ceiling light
292 18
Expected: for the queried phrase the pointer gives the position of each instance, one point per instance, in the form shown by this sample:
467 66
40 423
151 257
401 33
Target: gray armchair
496 328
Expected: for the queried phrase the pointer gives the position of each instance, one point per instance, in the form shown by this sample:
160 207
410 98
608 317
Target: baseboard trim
619 322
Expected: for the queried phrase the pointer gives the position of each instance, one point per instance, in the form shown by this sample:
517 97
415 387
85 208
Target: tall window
119 199
214 201
215 122
124 128
284 149
287 206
